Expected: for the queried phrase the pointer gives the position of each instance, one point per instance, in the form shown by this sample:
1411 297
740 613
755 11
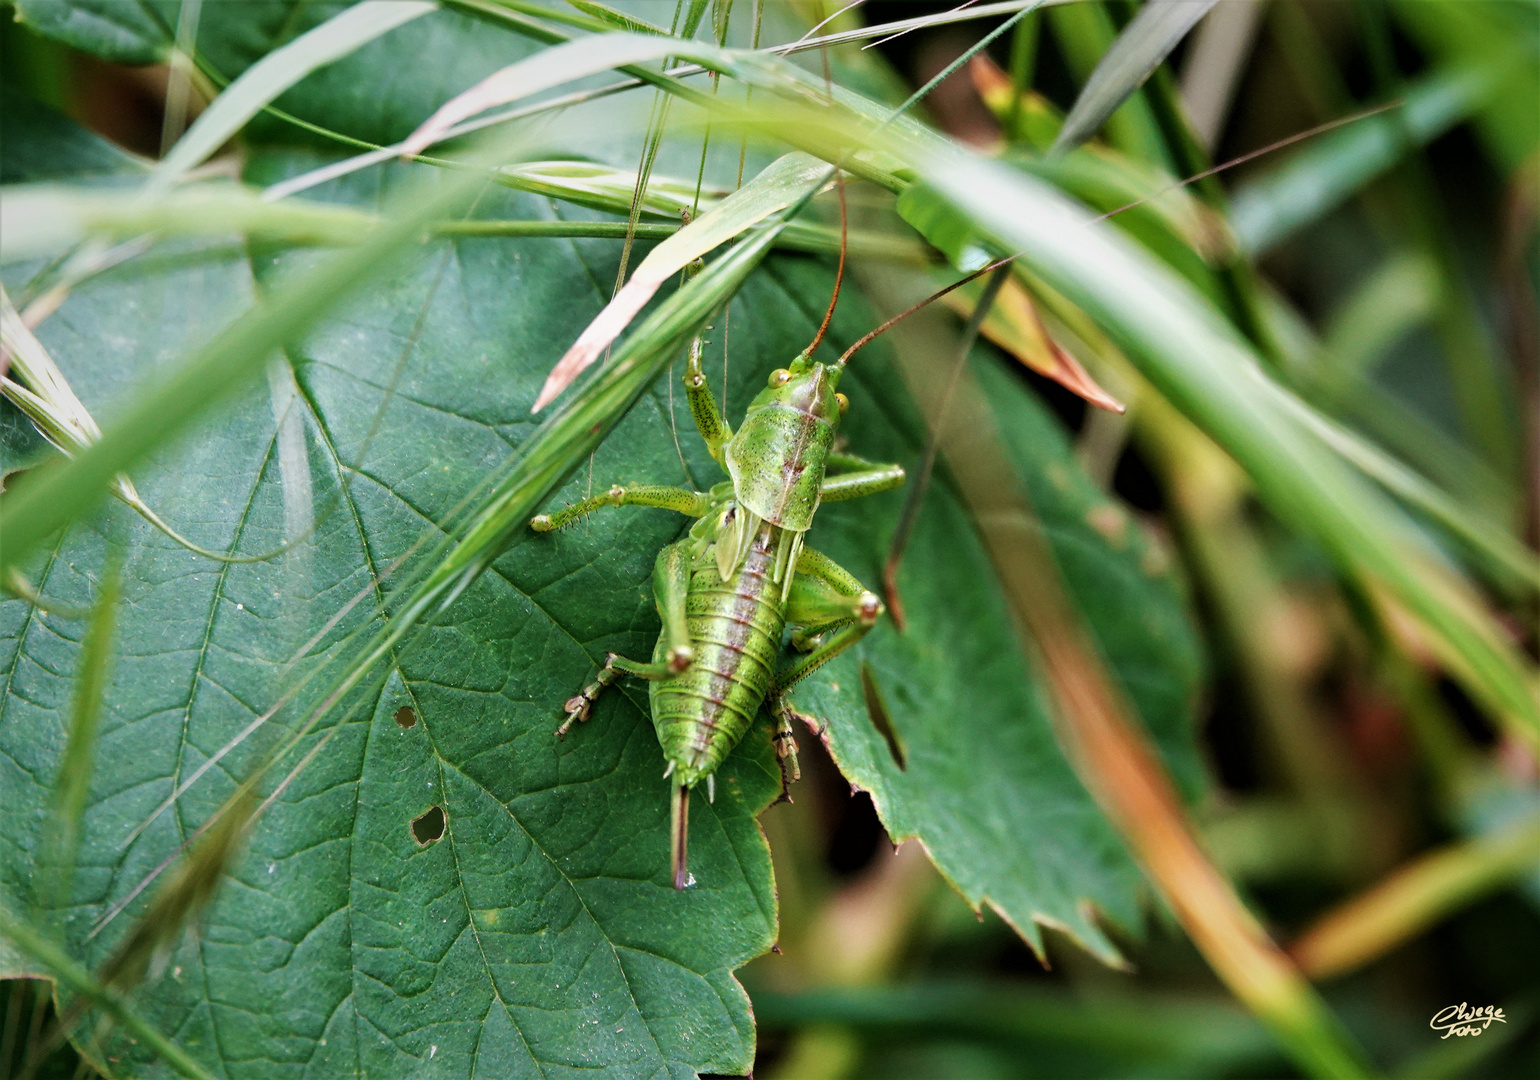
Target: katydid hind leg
670 587
824 595
580 705
825 651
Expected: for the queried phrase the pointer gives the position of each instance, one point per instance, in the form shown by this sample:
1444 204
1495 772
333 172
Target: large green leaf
539 932
139 33
981 781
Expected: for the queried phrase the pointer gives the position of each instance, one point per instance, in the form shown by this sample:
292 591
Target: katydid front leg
860 478
703 407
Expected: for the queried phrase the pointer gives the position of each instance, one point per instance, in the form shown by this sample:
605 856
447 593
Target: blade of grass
781 183
378 155
1131 1027
798 236
1477 374
31 942
280 69
44 219
71 786
50 218
618 19
1138 51
1327 172
1394 298
1414 898
546 69
257 87
1213 66
53 495
1084 32
1023 61
1486 538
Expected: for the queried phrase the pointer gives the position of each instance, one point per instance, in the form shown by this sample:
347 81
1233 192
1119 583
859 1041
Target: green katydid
727 592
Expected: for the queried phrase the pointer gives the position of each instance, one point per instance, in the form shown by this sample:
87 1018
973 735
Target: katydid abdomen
735 627
735 631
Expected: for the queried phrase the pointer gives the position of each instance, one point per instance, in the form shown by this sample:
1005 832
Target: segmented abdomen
735 629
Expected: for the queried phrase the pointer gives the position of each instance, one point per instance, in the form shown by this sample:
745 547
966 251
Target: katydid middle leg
857 478
578 706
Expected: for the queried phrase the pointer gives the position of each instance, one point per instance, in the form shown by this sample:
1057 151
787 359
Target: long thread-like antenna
1249 156
839 274
937 295
839 186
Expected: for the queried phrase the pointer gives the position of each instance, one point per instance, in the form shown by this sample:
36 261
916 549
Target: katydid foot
785 743
579 705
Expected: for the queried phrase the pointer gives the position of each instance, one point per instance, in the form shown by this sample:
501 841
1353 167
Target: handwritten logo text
1463 1020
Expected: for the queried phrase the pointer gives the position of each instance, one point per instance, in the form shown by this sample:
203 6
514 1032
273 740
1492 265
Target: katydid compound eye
780 377
843 402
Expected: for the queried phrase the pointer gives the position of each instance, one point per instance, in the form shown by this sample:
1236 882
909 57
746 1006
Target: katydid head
806 387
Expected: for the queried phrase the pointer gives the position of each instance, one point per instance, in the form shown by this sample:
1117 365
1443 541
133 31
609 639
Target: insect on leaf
536 907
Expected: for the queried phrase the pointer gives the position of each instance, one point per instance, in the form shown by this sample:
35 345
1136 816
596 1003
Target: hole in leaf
877 709
429 827
406 716
7 477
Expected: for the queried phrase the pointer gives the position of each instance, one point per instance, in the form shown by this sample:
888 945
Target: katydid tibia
729 590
